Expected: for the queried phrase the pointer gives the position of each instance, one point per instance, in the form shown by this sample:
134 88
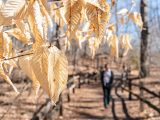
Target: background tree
144 62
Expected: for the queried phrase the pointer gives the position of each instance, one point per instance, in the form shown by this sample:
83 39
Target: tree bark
57 37
144 62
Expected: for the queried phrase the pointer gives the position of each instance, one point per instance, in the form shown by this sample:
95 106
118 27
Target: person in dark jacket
107 77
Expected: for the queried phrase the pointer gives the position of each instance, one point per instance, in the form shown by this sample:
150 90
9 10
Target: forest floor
86 103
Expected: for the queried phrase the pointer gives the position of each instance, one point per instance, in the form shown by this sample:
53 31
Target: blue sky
153 16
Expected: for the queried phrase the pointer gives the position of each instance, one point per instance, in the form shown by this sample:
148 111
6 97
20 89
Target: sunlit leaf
123 11
17 33
113 2
136 18
49 68
7 46
113 43
6 78
125 43
71 14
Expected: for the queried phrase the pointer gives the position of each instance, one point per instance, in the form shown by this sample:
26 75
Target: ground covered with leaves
86 103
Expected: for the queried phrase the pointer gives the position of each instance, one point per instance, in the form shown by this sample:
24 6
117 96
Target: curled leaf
136 18
71 14
49 68
17 33
113 43
125 43
122 12
6 78
101 4
7 45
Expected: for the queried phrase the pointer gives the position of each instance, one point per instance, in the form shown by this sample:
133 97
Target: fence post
88 82
74 90
61 106
141 94
97 62
68 97
130 89
159 98
79 82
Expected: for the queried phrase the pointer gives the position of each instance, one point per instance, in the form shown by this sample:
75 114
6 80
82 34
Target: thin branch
58 7
54 1
17 56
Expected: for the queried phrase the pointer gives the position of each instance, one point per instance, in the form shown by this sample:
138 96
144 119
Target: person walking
107 77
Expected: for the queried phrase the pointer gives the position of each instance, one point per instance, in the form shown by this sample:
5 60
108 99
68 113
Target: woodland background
86 102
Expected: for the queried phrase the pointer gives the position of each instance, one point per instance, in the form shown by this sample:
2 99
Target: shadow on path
123 102
113 110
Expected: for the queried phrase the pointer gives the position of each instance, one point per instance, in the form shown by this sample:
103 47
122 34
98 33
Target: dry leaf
18 34
101 4
71 14
112 27
122 12
122 20
125 43
1 45
35 21
136 18
6 78
7 45
98 21
13 10
24 63
113 2
113 43
49 67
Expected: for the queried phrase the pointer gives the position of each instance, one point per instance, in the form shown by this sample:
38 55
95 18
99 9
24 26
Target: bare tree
144 62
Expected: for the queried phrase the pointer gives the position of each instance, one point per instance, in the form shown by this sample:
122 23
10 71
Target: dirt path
87 104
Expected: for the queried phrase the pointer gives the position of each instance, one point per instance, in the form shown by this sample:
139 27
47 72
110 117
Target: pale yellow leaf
122 12
101 4
136 18
125 43
6 78
24 63
122 20
35 21
40 66
1 45
13 9
7 46
47 18
93 45
71 14
48 66
112 27
114 44
25 29
17 33
98 21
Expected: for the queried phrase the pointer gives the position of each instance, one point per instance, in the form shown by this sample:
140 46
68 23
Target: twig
17 56
54 1
58 7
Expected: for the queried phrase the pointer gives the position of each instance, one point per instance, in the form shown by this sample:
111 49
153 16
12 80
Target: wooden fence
47 110
129 88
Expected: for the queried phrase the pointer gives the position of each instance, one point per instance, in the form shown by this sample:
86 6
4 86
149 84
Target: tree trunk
144 62
57 37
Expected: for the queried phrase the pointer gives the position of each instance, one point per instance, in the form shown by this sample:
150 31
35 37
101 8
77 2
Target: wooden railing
129 88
